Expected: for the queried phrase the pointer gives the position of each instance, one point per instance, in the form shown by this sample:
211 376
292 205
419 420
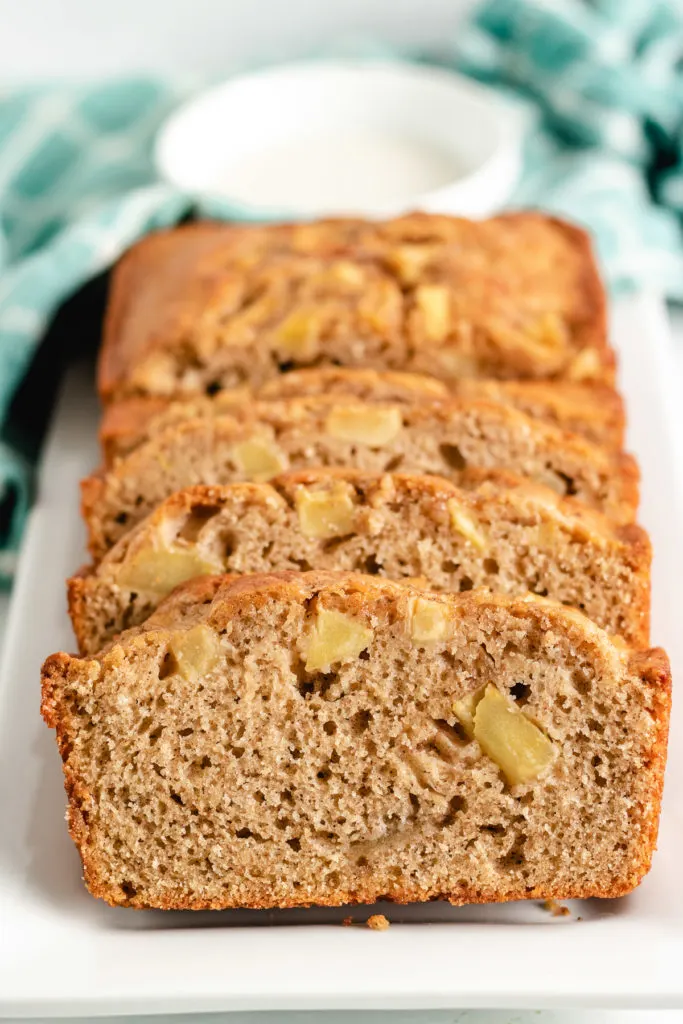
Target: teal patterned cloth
601 83
599 86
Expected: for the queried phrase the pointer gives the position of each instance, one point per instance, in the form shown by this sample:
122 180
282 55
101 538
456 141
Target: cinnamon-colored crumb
556 909
378 923
397 525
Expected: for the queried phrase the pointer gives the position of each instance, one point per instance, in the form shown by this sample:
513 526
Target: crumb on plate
556 909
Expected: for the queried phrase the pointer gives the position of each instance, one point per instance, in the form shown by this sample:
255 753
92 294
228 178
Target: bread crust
163 286
362 596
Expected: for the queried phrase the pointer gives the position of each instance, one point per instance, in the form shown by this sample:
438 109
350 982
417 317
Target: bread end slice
329 738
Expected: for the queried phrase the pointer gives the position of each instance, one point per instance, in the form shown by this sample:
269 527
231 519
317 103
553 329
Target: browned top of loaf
595 411
211 305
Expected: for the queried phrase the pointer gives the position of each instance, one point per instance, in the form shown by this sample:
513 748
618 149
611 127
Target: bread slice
595 411
128 422
332 738
209 306
507 535
592 410
443 438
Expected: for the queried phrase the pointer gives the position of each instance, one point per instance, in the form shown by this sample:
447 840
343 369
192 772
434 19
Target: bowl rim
498 171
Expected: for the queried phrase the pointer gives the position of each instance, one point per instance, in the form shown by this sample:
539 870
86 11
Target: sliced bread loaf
507 535
594 411
210 306
443 438
316 738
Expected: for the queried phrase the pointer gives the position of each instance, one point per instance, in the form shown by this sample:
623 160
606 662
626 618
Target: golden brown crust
256 590
125 421
458 898
77 600
92 492
654 669
628 471
391 385
120 344
366 597
187 293
593 325
53 670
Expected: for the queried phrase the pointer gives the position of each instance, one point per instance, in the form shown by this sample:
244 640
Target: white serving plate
64 954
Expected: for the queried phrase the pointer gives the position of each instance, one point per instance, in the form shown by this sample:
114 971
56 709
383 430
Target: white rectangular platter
64 954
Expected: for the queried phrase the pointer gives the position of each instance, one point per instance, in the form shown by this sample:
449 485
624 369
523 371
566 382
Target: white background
40 39
43 38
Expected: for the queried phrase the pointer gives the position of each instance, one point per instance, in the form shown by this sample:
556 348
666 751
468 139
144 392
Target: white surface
63 953
207 38
414 1017
325 137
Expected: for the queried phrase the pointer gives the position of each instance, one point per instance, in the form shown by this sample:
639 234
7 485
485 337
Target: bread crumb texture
593 410
207 307
288 739
378 923
505 535
449 439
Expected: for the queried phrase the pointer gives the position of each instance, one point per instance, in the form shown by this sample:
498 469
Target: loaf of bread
507 535
592 410
442 438
209 306
277 741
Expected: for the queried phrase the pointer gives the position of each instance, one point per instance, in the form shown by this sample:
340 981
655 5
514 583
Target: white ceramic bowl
221 142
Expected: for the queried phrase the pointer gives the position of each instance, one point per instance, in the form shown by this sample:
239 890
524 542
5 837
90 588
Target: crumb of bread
378 923
347 922
556 909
